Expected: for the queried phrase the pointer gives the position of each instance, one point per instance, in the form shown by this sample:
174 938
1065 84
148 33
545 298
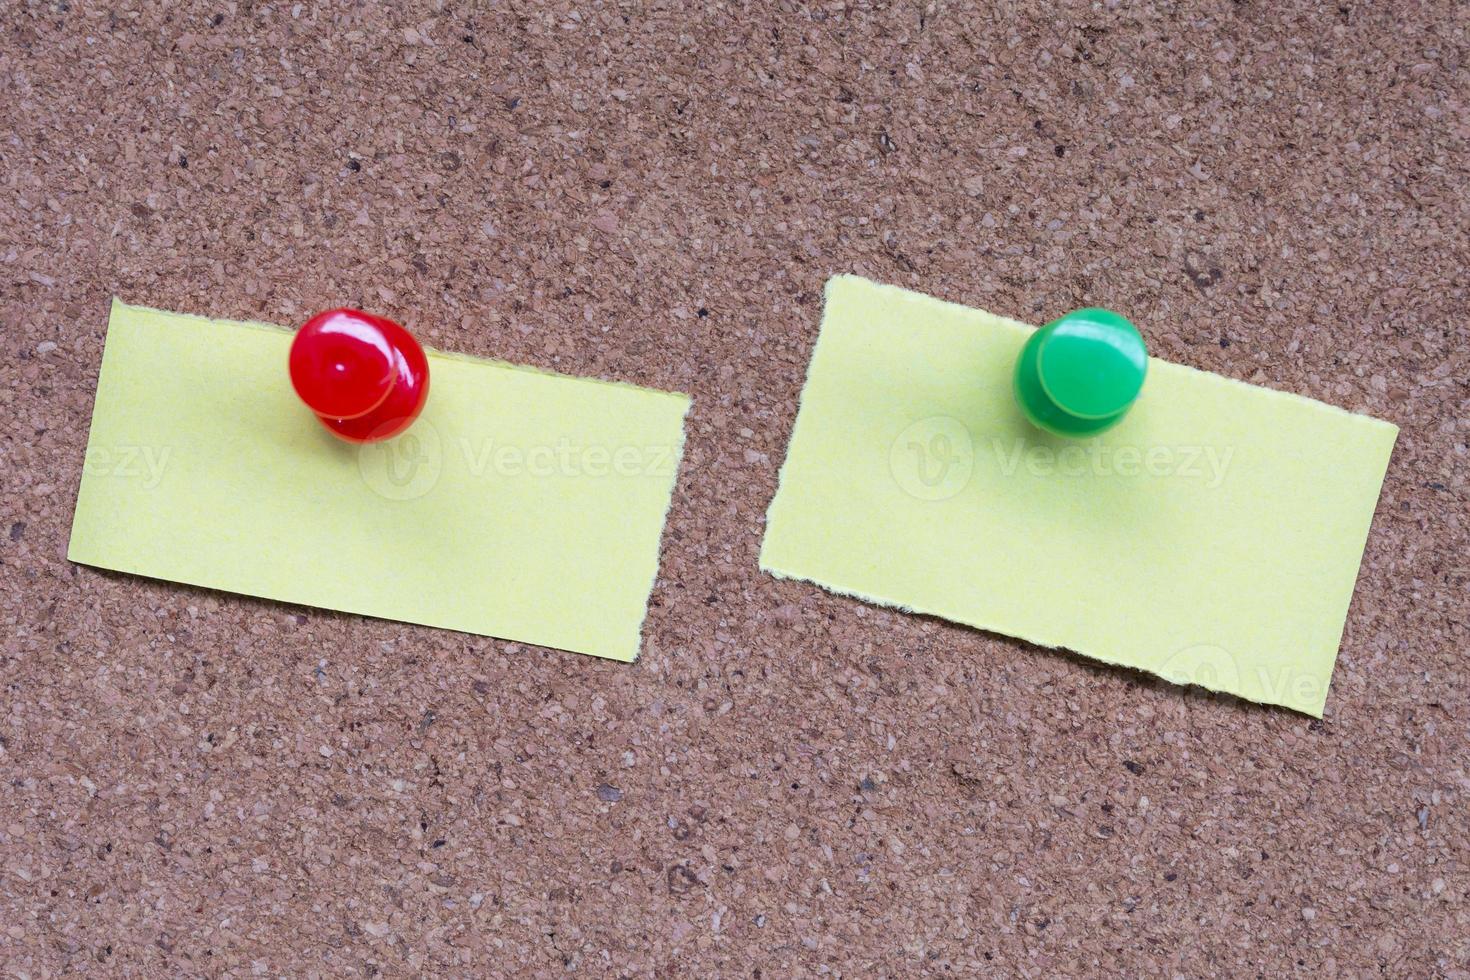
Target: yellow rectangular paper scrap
1213 537
521 504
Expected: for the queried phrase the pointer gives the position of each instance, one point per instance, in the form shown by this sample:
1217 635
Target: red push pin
364 376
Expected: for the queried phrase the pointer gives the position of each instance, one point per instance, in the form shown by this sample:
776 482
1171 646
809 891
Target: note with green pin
952 462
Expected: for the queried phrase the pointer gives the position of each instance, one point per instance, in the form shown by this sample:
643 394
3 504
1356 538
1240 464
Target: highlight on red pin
362 375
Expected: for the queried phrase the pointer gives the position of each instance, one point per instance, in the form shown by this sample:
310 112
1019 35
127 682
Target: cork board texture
787 782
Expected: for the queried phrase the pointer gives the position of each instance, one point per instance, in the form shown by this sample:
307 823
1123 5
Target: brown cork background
787 783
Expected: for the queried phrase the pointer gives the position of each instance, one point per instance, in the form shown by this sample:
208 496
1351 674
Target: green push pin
1079 375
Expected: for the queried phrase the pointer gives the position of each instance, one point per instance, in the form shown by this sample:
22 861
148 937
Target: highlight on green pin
1078 375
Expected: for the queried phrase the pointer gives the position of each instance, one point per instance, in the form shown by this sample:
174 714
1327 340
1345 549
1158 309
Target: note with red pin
512 502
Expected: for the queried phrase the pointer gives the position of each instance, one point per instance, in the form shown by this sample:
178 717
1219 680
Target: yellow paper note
1213 537
521 504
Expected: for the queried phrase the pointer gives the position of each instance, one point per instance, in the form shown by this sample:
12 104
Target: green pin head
1079 375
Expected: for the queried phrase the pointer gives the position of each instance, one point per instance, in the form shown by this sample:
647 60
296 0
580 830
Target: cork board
787 783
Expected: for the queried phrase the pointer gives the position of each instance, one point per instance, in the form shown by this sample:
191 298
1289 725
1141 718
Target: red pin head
364 376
